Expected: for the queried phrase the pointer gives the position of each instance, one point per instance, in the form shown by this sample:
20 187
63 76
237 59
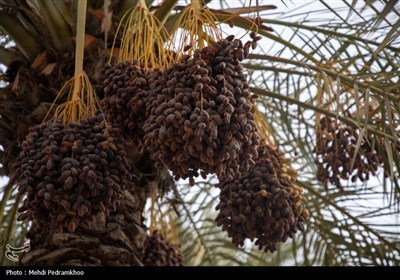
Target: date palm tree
335 60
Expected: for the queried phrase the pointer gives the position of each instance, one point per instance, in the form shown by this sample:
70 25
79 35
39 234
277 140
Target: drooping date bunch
199 114
264 204
160 252
125 87
72 172
335 148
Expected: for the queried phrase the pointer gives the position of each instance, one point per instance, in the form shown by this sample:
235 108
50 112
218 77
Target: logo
12 251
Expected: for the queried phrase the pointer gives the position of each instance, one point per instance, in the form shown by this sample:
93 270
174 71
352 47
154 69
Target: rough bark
115 240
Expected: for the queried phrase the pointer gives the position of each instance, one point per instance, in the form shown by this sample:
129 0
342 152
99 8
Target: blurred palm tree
333 59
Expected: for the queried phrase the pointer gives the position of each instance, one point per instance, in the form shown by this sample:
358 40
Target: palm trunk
115 240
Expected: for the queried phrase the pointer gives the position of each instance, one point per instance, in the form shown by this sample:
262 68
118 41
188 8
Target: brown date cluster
334 152
70 173
263 205
199 114
125 86
160 252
